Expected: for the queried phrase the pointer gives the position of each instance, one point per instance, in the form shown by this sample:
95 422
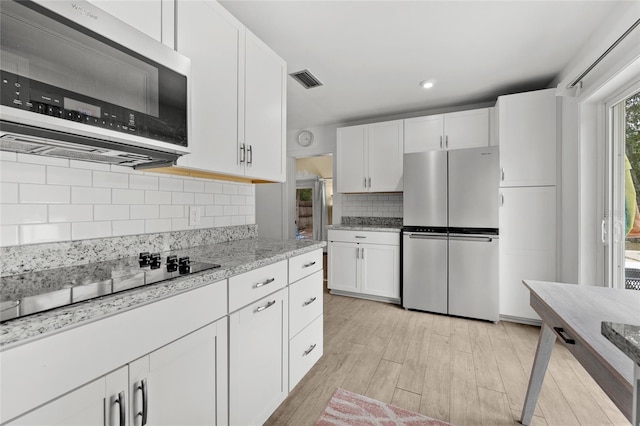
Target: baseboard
366 296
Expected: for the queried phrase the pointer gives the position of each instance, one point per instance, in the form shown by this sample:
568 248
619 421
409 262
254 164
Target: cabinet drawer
253 285
304 264
369 237
305 302
304 351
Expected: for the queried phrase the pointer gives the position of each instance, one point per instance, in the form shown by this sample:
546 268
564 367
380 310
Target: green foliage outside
632 136
305 194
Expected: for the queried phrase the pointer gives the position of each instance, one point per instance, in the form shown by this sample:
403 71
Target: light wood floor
462 371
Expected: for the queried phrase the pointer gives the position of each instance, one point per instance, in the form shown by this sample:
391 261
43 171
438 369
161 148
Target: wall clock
305 138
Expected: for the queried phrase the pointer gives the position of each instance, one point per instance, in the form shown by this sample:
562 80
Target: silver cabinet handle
306 265
440 142
243 153
369 182
250 155
263 283
268 305
502 199
308 351
446 141
365 182
362 253
502 174
310 301
120 400
357 253
360 236
145 401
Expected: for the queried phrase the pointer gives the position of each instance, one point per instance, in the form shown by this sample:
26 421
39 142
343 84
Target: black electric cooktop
34 292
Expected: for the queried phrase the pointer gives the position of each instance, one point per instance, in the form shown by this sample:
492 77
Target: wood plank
460 339
399 343
494 408
407 400
383 382
360 376
484 358
415 364
436 392
465 406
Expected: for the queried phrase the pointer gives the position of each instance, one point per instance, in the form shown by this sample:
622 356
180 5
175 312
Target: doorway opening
314 196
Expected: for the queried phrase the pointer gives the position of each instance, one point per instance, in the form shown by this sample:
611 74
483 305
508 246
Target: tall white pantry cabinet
528 135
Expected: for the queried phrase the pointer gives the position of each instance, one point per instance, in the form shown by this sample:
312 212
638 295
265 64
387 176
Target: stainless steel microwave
78 83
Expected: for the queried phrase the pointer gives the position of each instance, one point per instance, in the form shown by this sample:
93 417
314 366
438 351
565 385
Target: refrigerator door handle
427 237
473 239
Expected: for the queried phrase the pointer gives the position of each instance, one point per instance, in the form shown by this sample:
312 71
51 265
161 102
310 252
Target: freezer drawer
424 272
473 276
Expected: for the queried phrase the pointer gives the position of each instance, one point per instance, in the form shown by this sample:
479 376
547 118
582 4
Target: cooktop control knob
185 265
144 258
172 263
155 262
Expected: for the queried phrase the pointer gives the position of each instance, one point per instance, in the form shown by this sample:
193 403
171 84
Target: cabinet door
527 131
527 245
264 111
143 15
258 359
467 129
385 156
343 266
81 407
381 270
211 37
351 158
424 133
182 379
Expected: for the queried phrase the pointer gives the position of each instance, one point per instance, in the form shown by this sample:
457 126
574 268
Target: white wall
50 200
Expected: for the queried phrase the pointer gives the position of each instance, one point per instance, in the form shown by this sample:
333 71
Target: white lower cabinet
258 359
365 263
181 383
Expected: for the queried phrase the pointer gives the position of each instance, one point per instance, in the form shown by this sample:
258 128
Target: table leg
546 341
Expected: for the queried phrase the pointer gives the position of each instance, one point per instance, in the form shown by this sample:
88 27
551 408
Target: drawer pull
268 305
145 401
360 236
308 351
306 265
263 283
561 333
310 301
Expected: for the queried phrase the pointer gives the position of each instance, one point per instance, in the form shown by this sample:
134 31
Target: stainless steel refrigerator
450 232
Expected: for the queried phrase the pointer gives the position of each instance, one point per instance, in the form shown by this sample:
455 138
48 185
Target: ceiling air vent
307 79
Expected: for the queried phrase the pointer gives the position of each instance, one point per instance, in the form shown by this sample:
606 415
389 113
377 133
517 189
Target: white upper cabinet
144 15
456 130
238 95
369 157
528 132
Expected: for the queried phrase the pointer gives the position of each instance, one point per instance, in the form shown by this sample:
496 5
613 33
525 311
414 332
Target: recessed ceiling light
427 84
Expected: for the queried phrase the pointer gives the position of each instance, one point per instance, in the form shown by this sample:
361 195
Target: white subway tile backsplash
157 197
169 184
111 212
17 214
70 213
66 176
9 235
144 212
82 195
372 205
149 183
41 159
172 211
9 193
157 225
102 179
86 230
127 227
12 171
47 199
75 164
193 186
182 198
128 196
45 233
213 187
44 194
204 199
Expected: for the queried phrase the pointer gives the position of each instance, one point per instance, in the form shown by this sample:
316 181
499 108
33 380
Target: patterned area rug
347 408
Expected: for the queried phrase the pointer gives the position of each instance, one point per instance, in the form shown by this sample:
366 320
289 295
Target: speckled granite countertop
235 257
377 228
626 337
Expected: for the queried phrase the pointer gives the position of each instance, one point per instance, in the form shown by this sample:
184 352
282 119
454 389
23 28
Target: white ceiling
371 55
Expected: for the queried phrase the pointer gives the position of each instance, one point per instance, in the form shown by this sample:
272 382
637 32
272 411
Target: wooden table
575 313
